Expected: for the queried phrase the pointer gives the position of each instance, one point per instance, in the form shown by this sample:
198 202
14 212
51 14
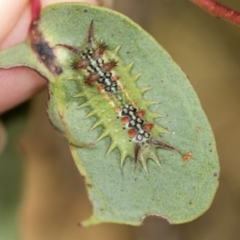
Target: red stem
36 9
218 10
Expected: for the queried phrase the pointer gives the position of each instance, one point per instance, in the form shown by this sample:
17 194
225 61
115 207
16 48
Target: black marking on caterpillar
97 68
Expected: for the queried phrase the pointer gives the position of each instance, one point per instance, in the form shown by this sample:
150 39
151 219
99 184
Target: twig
218 10
36 8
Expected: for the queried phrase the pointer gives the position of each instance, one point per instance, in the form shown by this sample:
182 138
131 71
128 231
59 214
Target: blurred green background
42 196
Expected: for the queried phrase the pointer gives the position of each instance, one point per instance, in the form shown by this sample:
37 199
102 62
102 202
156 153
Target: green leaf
180 191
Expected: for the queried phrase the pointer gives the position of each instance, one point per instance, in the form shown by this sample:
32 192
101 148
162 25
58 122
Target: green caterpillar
114 91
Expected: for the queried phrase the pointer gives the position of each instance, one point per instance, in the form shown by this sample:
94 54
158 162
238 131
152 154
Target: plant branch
36 8
218 10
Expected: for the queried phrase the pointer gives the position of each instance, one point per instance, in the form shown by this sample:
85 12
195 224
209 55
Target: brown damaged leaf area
44 52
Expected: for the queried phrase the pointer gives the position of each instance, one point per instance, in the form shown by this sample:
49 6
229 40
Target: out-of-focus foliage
11 173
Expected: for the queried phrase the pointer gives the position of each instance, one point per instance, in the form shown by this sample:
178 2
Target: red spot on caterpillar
124 120
115 78
141 113
100 87
148 127
132 133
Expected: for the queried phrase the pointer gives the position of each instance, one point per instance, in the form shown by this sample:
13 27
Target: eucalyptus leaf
180 191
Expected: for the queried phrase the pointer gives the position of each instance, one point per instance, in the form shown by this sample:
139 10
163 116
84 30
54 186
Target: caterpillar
110 85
